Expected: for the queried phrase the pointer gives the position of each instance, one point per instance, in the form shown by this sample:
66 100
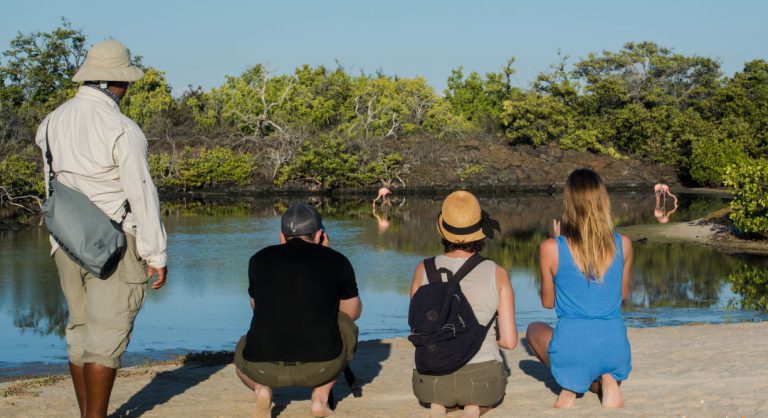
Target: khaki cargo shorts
101 312
285 374
474 384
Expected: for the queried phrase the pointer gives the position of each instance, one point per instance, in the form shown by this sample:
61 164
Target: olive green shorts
480 384
280 374
102 311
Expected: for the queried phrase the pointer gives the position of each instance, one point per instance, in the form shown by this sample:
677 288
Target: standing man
103 154
304 299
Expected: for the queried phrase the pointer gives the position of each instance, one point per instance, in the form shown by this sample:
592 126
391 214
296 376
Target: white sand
691 371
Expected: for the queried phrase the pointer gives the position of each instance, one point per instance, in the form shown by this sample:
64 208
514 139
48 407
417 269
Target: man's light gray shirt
103 154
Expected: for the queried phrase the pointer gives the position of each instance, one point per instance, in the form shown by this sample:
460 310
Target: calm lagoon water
205 306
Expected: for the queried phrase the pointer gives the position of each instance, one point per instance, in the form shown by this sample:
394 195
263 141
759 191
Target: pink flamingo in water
662 190
383 195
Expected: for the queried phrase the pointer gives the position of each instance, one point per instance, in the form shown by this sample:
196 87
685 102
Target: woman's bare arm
507 323
548 267
626 245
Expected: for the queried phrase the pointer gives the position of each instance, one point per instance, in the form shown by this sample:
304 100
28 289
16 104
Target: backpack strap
467 267
490 323
434 275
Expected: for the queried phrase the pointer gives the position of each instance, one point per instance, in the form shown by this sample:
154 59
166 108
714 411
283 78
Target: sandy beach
685 371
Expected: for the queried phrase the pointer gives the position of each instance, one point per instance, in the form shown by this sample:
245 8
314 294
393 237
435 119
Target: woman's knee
535 329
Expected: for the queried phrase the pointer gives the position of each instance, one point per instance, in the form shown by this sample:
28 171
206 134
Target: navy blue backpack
444 328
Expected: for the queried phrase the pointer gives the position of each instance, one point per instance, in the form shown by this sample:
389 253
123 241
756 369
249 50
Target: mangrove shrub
749 183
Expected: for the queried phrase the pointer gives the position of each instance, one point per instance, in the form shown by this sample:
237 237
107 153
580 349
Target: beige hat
108 61
462 220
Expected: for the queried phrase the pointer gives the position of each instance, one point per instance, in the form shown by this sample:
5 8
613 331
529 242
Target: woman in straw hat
464 227
585 277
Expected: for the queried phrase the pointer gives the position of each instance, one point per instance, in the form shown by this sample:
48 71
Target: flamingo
662 190
383 193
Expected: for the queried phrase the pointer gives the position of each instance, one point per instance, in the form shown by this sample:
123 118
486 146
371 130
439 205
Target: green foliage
748 181
752 284
712 154
331 163
442 122
467 170
745 99
643 101
480 100
37 69
20 176
536 119
386 168
192 169
328 165
147 98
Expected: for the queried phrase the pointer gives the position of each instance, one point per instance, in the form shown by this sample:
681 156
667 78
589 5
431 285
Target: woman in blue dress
585 275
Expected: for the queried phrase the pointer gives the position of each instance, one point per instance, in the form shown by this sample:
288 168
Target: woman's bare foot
611 393
471 411
263 403
319 409
566 399
436 411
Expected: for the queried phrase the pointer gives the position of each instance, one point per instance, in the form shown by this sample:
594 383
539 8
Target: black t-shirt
296 288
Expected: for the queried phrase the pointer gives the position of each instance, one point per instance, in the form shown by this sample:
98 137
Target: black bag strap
49 160
434 275
52 175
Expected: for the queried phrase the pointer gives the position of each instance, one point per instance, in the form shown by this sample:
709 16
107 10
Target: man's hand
162 272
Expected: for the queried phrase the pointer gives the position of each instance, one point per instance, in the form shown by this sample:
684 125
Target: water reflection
751 283
204 305
30 293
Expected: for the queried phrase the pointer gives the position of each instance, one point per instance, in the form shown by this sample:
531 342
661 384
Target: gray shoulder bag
83 231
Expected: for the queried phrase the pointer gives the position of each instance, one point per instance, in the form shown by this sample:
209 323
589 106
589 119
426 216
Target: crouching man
304 299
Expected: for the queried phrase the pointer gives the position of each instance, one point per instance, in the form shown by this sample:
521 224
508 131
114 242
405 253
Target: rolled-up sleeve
131 155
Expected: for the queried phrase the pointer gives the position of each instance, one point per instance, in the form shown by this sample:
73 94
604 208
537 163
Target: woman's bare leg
566 399
263 396
611 392
538 337
473 411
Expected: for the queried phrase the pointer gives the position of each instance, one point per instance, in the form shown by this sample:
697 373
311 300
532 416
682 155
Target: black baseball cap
300 219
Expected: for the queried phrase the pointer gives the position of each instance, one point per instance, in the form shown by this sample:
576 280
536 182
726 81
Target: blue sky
200 42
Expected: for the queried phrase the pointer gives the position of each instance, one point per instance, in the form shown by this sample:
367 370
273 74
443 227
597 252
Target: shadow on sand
196 368
538 370
366 365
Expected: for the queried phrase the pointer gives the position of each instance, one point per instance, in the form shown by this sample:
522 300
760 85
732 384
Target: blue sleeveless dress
590 338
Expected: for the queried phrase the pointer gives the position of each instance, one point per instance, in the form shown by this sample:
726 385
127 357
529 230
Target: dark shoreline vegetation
639 115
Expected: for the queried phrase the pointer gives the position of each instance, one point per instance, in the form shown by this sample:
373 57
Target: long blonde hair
587 222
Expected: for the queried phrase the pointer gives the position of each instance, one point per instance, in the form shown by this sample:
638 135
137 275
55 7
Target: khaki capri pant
102 311
480 384
279 374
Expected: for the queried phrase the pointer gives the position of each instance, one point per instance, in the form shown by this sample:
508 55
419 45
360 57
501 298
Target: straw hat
462 220
108 61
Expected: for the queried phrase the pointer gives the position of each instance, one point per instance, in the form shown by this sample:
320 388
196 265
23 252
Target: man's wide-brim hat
108 61
462 220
